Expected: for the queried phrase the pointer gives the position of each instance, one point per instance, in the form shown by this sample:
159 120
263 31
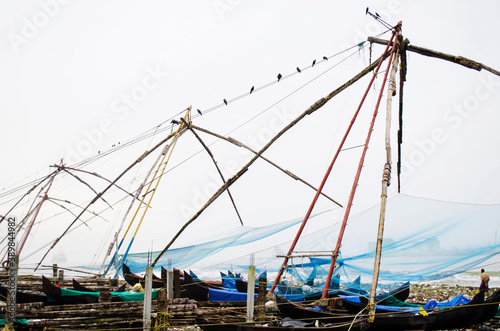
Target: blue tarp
227 281
458 300
223 295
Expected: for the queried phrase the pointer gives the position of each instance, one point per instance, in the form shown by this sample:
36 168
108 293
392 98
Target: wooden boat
133 279
354 307
400 292
440 319
210 283
490 308
194 290
242 286
61 296
457 317
297 311
23 297
288 324
79 287
54 293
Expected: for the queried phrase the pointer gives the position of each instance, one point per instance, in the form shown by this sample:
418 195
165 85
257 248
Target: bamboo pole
386 177
360 166
240 144
136 196
98 176
19 226
463 61
163 162
44 198
138 160
26 194
54 266
86 184
31 210
317 105
216 166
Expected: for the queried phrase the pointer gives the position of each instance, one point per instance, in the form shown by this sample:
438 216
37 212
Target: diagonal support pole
188 125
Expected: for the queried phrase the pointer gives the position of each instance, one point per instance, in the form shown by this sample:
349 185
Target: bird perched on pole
279 77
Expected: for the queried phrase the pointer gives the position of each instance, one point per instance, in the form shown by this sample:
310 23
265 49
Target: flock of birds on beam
376 16
252 89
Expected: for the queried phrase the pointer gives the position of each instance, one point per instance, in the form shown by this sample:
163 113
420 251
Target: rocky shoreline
421 293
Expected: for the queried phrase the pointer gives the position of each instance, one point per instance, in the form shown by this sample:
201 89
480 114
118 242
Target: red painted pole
318 192
360 166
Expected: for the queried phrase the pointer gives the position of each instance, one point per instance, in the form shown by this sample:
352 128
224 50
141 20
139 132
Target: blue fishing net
424 240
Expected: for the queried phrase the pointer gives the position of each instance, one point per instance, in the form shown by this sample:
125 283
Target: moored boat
79 287
289 324
60 295
440 318
23 297
133 279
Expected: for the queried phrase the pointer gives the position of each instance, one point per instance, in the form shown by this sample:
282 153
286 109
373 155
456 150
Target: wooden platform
179 312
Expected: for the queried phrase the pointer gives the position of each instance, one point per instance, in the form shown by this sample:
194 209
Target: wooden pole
25 195
158 175
142 157
136 196
162 300
216 166
402 78
60 278
463 61
55 268
262 295
386 177
360 166
39 207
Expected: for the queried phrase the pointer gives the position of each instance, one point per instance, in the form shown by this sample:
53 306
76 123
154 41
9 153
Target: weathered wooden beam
463 61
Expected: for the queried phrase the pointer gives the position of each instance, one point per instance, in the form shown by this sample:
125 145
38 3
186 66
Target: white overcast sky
78 77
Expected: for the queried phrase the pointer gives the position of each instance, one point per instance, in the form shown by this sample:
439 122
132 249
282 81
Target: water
468 279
